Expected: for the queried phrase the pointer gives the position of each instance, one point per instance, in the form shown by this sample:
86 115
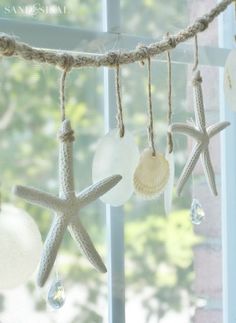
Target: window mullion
114 216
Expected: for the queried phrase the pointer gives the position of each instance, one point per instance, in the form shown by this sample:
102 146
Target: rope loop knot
8 44
197 78
203 23
143 53
171 40
113 58
66 62
66 136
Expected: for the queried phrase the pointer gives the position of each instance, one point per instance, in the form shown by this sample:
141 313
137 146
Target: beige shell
151 175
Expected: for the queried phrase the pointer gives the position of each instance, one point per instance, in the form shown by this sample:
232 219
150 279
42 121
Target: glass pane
158 17
173 268
81 14
30 118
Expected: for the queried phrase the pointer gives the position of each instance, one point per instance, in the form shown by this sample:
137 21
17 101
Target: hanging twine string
9 46
150 110
67 65
196 53
62 95
119 116
196 78
169 117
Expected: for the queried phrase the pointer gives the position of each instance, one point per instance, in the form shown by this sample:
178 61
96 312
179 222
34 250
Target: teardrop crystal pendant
197 212
56 294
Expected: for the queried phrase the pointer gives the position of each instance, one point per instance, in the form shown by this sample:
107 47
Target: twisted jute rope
119 115
169 115
66 67
9 46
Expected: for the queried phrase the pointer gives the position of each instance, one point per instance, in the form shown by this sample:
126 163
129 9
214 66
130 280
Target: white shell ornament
20 246
151 175
170 185
116 155
230 80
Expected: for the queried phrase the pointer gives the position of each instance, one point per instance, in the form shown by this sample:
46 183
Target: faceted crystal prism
56 294
197 212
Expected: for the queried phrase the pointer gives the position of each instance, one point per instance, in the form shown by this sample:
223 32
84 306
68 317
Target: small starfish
66 207
202 135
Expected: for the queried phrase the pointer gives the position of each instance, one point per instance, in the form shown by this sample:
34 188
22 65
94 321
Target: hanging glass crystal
197 212
56 294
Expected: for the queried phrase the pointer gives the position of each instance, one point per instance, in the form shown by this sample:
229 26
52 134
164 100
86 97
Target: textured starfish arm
40 198
216 128
188 168
186 130
85 244
51 246
208 170
96 190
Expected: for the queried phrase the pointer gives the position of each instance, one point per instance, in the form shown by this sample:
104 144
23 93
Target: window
160 268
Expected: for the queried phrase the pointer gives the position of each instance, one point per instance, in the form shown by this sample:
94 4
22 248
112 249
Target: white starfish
202 135
66 207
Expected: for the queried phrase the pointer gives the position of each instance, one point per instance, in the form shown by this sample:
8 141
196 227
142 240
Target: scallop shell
151 175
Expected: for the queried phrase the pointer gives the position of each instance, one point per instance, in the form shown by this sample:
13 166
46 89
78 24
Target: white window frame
227 31
46 36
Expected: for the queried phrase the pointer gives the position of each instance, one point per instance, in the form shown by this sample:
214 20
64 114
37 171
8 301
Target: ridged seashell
151 175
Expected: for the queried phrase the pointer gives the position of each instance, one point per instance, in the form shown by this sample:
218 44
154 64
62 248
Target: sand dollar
115 155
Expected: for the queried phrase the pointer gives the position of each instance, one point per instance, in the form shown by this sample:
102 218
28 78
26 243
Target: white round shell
115 155
20 246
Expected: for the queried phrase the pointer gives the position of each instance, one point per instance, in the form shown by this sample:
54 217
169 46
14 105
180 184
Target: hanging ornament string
62 95
119 115
69 135
196 53
150 110
68 63
169 118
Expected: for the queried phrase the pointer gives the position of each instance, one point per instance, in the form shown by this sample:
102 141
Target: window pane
81 14
156 19
29 152
173 268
